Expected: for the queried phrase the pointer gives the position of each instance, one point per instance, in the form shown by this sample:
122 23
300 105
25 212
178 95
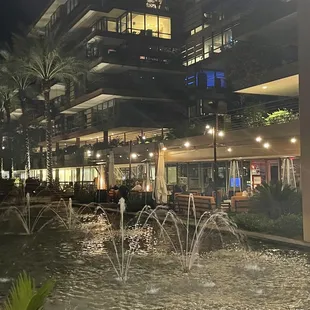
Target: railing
264 114
249 115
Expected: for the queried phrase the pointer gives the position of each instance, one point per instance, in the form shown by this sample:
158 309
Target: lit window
192 32
217 43
198 29
112 26
123 27
208 47
152 23
165 26
227 37
137 23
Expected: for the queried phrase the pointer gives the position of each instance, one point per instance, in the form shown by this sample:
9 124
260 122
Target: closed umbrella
112 181
161 193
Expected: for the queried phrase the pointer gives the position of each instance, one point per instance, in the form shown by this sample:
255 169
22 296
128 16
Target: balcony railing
276 112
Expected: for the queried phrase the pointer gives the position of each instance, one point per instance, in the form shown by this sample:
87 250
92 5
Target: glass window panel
124 24
192 32
164 25
152 23
129 22
217 43
165 36
112 26
208 47
198 29
137 22
227 37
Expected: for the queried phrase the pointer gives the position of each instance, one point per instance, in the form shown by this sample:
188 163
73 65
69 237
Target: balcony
119 113
139 55
263 13
254 63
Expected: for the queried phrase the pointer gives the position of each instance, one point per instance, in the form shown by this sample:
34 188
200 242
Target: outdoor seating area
202 203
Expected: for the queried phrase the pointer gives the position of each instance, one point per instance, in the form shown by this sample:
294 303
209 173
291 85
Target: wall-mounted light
187 144
229 150
151 154
164 148
98 155
293 140
221 133
258 139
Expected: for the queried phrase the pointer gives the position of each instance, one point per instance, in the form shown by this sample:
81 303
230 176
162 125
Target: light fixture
143 137
229 150
88 153
164 148
120 156
98 155
210 131
3 147
151 154
265 87
266 145
221 133
134 155
208 127
187 144
293 140
258 139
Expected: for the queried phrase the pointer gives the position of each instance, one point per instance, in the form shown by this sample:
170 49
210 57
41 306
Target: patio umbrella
160 191
288 173
112 181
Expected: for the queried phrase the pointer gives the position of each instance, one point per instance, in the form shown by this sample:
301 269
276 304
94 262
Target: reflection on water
231 278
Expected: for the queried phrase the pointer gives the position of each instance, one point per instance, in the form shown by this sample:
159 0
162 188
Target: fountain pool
230 278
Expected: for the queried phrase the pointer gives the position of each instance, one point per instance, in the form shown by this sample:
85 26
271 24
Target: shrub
276 199
281 117
253 222
289 225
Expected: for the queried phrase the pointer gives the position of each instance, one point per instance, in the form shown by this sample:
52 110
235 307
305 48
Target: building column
304 99
78 175
106 138
78 142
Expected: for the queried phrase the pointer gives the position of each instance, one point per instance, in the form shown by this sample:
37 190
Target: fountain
187 249
111 268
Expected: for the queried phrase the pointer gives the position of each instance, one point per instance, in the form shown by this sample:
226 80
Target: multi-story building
157 65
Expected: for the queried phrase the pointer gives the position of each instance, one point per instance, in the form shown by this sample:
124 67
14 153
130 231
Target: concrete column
78 175
304 100
106 138
78 142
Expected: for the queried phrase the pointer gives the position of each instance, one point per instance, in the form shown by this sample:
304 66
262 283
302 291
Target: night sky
18 14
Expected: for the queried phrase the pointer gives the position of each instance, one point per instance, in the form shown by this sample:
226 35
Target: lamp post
130 154
215 167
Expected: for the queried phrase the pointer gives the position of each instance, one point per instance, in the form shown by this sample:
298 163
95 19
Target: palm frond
23 295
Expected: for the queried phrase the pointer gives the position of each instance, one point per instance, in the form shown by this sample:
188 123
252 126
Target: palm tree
24 295
7 93
1 137
47 63
12 72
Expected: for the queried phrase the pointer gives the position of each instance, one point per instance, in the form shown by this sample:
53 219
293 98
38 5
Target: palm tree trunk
49 142
28 159
8 121
26 137
1 157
